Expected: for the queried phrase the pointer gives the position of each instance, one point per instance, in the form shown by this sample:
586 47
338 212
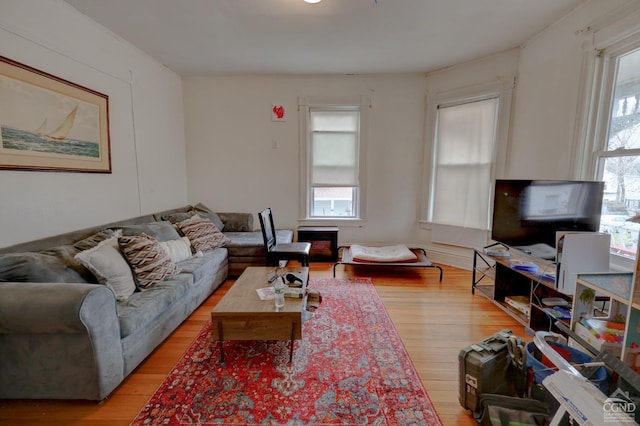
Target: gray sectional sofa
64 336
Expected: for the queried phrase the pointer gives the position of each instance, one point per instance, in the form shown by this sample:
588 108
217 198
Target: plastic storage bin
540 370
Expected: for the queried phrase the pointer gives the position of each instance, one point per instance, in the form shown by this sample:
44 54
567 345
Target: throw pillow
177 217
149 262
178 250
56 265
206 213
202 233
161 231
109 267
94 239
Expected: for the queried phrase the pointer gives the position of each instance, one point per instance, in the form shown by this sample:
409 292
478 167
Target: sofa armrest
59 341
236 222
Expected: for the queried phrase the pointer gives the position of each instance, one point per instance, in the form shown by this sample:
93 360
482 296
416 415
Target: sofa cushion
205 264
149 262
109 266
236 222
146 306
56 265
178 250
177 216
252 243
161 231
202 233
206 213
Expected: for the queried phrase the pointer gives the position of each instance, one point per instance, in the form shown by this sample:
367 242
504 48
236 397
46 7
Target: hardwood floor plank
434 319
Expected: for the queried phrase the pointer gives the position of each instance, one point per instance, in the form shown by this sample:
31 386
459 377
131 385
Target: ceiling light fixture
312 1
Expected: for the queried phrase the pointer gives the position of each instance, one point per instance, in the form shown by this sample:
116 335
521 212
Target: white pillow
109 266
178 250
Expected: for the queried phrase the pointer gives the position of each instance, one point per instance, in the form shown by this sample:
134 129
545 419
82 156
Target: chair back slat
268 230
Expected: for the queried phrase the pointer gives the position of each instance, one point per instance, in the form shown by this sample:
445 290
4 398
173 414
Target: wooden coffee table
241 315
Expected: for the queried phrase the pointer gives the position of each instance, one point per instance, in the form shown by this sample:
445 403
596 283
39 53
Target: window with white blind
332 146
466 149
465 140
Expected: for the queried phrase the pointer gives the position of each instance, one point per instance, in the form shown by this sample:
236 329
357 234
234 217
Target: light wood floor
435 320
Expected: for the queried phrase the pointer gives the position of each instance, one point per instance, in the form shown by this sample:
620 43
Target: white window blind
334 148
464 149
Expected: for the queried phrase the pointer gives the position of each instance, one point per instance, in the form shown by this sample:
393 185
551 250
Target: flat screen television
529 212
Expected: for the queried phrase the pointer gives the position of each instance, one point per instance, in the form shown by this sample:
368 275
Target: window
332 142
468 132
464 147
617 147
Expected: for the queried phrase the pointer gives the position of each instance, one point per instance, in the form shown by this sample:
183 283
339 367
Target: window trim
305 103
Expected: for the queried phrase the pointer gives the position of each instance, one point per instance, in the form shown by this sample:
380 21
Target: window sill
333 221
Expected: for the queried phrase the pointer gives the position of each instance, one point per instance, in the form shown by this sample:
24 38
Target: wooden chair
275 252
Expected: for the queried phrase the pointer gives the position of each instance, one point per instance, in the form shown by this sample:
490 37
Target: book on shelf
520 303
558 313
523 265
549 274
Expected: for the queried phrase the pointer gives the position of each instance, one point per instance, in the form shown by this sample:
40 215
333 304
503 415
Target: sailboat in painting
61 132
42 129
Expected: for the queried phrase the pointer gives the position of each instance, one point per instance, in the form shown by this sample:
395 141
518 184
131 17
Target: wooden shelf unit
495 278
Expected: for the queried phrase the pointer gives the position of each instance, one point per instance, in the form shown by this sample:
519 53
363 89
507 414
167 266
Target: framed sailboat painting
48 123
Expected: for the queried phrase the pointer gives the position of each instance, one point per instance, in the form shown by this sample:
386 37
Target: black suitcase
485 367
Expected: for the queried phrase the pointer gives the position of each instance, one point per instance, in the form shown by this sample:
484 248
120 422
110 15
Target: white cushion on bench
396 253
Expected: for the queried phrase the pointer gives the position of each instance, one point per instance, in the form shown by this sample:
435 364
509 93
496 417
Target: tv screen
527 212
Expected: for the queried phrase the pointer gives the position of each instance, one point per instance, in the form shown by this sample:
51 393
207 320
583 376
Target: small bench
421 261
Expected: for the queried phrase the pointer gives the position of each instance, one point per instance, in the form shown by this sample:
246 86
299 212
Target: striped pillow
149 262
202 233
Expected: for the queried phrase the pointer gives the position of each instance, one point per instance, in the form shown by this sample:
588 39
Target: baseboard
458 257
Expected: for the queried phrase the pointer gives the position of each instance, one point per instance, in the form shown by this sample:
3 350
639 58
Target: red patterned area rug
350 368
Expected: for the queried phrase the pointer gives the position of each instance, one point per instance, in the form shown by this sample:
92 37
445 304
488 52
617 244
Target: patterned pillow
150 263
202 233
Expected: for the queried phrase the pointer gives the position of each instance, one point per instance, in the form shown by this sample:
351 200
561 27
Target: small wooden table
241 315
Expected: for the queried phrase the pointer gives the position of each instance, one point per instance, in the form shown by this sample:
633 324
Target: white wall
146 126
547 109
233 165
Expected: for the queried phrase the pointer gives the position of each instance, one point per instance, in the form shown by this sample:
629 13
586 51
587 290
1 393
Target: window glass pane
334 120
621 173
333 202
334 159
625 109
621 202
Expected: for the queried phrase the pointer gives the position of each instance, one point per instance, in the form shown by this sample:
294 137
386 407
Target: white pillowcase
178 250
109 266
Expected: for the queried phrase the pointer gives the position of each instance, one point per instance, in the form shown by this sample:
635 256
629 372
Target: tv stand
495 278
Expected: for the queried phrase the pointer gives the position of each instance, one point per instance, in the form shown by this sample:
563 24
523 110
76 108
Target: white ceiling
206 37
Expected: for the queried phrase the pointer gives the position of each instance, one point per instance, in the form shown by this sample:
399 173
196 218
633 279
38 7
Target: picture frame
50 124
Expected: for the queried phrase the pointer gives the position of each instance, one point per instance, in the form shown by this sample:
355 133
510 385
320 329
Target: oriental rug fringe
349 368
